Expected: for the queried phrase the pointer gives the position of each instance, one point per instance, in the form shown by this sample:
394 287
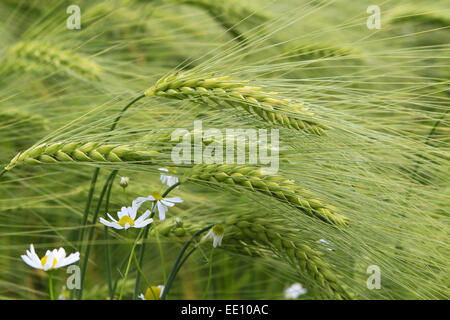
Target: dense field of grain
342 193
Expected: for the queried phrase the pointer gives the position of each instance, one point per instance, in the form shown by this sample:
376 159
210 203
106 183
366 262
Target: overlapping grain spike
247 234
419 15
275 186
227 92
37 56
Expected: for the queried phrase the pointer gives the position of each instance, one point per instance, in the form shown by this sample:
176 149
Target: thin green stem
97 170
427 141
95 175
50 285
128 265
116 121
230 28
91 232
88 206
122 265
161 255
3 172
107 249
186 257
180 261
210 274
108 264
170 189
140 270
146 231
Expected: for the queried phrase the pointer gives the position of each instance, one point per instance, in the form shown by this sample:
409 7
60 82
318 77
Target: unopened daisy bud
152 293
178 222
216 233
124 182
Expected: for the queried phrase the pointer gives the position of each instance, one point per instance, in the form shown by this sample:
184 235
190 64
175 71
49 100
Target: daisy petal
109 216
143 223
208 235
106 222
161 210
175 199
28 261
143 217
73 257
166 203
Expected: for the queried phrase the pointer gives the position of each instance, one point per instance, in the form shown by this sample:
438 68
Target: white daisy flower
127 216
168 179
216 233
294 291
124 182
153 293
52 260
161 203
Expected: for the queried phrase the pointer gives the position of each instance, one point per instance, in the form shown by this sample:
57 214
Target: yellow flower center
218 230
44 261
157 196
152 293
172 170
124 220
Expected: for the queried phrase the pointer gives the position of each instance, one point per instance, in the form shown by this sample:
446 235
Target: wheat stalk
33 55
224 91
79 152
275 186
245 234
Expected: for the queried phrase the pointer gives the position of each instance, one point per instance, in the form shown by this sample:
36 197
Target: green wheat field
91 93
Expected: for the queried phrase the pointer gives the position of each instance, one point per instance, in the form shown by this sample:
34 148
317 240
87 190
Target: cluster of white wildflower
126 218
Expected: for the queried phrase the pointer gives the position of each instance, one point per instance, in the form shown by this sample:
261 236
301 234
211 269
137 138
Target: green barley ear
274 186
227 92
80 152
40 56
25 125
248 235
419 16
316 51
267 233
